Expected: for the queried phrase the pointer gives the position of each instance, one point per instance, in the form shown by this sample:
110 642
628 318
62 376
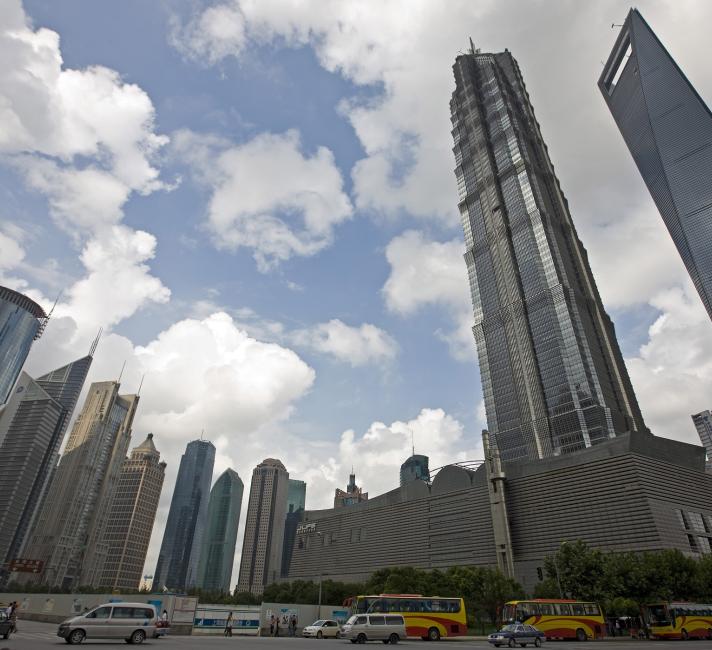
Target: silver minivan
133 622
389 628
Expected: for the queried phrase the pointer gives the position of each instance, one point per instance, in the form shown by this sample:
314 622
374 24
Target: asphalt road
37 636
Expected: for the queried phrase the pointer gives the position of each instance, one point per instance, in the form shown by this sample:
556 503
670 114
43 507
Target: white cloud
672 372
430 273
267 195
355 345
11 252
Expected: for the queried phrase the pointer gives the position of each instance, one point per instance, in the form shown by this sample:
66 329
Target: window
394 620
101 612
123 612
562 609
592 609
361 620
577 609
692 540
546 609
377 620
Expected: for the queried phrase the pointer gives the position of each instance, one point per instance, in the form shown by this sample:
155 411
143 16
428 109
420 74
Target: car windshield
318 623
508 628
351 621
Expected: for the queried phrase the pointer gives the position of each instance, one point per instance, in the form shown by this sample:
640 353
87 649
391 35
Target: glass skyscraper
218 553
21 322
415 468
668 130
31 433
177 566
553 376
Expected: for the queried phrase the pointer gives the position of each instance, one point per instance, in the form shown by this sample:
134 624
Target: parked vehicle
323 629
6 625
389 628
133 622
517 633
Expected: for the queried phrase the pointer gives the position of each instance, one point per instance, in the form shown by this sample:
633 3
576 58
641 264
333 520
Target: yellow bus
678 620
558 618
429 617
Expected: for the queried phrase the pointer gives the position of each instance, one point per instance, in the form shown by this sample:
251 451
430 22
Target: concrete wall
55 608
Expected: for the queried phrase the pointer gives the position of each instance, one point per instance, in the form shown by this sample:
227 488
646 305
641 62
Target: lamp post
556 568
319 534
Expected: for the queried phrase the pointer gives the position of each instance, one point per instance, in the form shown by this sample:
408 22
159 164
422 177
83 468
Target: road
38 636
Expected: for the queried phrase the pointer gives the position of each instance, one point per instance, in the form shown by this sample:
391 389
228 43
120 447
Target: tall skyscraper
668 130
76 499
177 566
131 514
218 552
415 468
553 376
21 321
352 494
703 424
34 425
261 561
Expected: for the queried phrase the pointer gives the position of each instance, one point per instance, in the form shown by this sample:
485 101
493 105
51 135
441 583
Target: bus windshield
658 614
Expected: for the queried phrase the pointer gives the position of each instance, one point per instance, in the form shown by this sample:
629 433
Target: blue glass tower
177 566
218 554
668 130
21 322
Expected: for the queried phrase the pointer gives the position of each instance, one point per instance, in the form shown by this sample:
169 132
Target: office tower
218 552
296 495
261 561
21 321
64 533
352 494
34 424
415 468
130 518
703 424
177 566
553 376
668 130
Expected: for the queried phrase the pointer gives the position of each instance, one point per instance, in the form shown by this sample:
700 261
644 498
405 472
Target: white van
389 628
133 622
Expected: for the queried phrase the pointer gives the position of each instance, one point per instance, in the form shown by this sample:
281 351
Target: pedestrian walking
228 625
271 625
276 626
12 615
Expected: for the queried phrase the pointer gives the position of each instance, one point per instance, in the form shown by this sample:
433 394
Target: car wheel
434 634
76 636
361 638
394 638
384 641
6 635
522 645
319 635
353 640
537 642
685 634
496 645
137 637
511 643
338 634
580 635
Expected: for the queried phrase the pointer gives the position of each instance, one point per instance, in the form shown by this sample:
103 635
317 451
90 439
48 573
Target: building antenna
92 349
121 374
472 46
138 392
412 439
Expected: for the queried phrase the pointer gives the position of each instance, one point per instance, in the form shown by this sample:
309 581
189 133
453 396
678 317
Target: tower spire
92 348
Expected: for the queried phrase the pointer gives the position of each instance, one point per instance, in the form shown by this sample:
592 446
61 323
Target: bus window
577 609
563 609
592 609
546 609
454 606
525 610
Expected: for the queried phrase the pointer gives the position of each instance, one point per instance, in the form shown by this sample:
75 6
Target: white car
322 629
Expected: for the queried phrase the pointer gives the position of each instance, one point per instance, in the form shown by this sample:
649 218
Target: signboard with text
23 565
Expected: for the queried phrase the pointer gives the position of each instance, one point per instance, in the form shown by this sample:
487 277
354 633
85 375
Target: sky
255 200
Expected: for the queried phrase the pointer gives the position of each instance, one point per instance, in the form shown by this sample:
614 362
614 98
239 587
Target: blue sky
256 201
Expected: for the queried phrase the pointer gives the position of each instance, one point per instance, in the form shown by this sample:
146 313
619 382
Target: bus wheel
434 634
580 635
685 635
709 634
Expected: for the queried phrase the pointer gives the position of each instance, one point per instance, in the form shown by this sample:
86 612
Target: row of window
451 605
379 620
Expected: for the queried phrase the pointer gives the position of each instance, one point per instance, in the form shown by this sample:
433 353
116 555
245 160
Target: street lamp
319 534
556 568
